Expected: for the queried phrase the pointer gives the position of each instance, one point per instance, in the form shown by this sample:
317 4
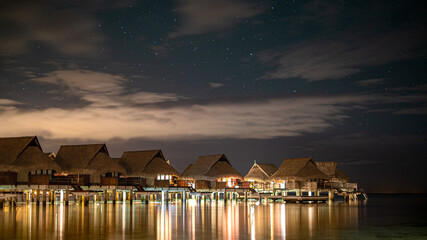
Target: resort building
297 174
211 171
22 162
334 174
148 168
337 179
86 165
259 176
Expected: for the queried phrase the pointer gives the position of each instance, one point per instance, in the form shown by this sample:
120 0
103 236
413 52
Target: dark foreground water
381 217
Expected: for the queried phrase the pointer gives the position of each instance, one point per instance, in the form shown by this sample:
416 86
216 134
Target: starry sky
337 80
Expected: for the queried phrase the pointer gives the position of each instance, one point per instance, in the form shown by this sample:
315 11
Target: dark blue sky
339 81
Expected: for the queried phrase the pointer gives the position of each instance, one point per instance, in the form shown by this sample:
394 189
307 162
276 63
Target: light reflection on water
205 220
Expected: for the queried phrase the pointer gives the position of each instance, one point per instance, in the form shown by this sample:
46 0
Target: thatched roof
87 159
330 169
10 148
300 169
223 170
210 168
148 163
158 166
327 167
260 172
24 154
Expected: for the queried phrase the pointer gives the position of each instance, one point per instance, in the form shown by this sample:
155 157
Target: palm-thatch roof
24 154
330 169
299 169
87 159
148 163
260 172
210 168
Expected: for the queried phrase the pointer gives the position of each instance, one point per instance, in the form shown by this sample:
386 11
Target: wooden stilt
52 197
44 193
66 195
37 197
331 195
105 196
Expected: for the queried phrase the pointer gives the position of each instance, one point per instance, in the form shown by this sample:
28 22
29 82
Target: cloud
369 82
205 16
66 27
215 85
8 102
100 89
418 88
323 59
412 111
112 111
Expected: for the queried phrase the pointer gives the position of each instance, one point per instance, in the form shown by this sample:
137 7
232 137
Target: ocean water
380 217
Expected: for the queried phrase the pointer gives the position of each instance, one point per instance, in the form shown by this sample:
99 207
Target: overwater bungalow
337 179
22 162
86 165
148 169
211 171
297 174
259 176
334 174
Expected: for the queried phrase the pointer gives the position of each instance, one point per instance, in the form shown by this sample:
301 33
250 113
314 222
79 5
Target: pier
24 195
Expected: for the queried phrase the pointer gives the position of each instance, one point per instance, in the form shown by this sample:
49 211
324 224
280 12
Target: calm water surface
381 217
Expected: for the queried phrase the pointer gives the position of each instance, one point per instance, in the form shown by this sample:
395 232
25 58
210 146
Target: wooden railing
131 181
83 180
8 178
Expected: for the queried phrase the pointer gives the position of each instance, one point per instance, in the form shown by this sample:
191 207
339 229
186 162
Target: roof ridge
219 157
28 143
261 169
154 150
308 159
99 149
75 145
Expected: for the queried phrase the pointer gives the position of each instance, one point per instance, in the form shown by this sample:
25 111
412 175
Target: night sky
338 81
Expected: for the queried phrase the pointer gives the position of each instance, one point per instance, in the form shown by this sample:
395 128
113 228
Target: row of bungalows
23 162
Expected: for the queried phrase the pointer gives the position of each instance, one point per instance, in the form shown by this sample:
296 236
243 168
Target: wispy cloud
113 112
71 30
254 119
8 102
100 89
205 16
340 57
215 85
412 111
370 82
